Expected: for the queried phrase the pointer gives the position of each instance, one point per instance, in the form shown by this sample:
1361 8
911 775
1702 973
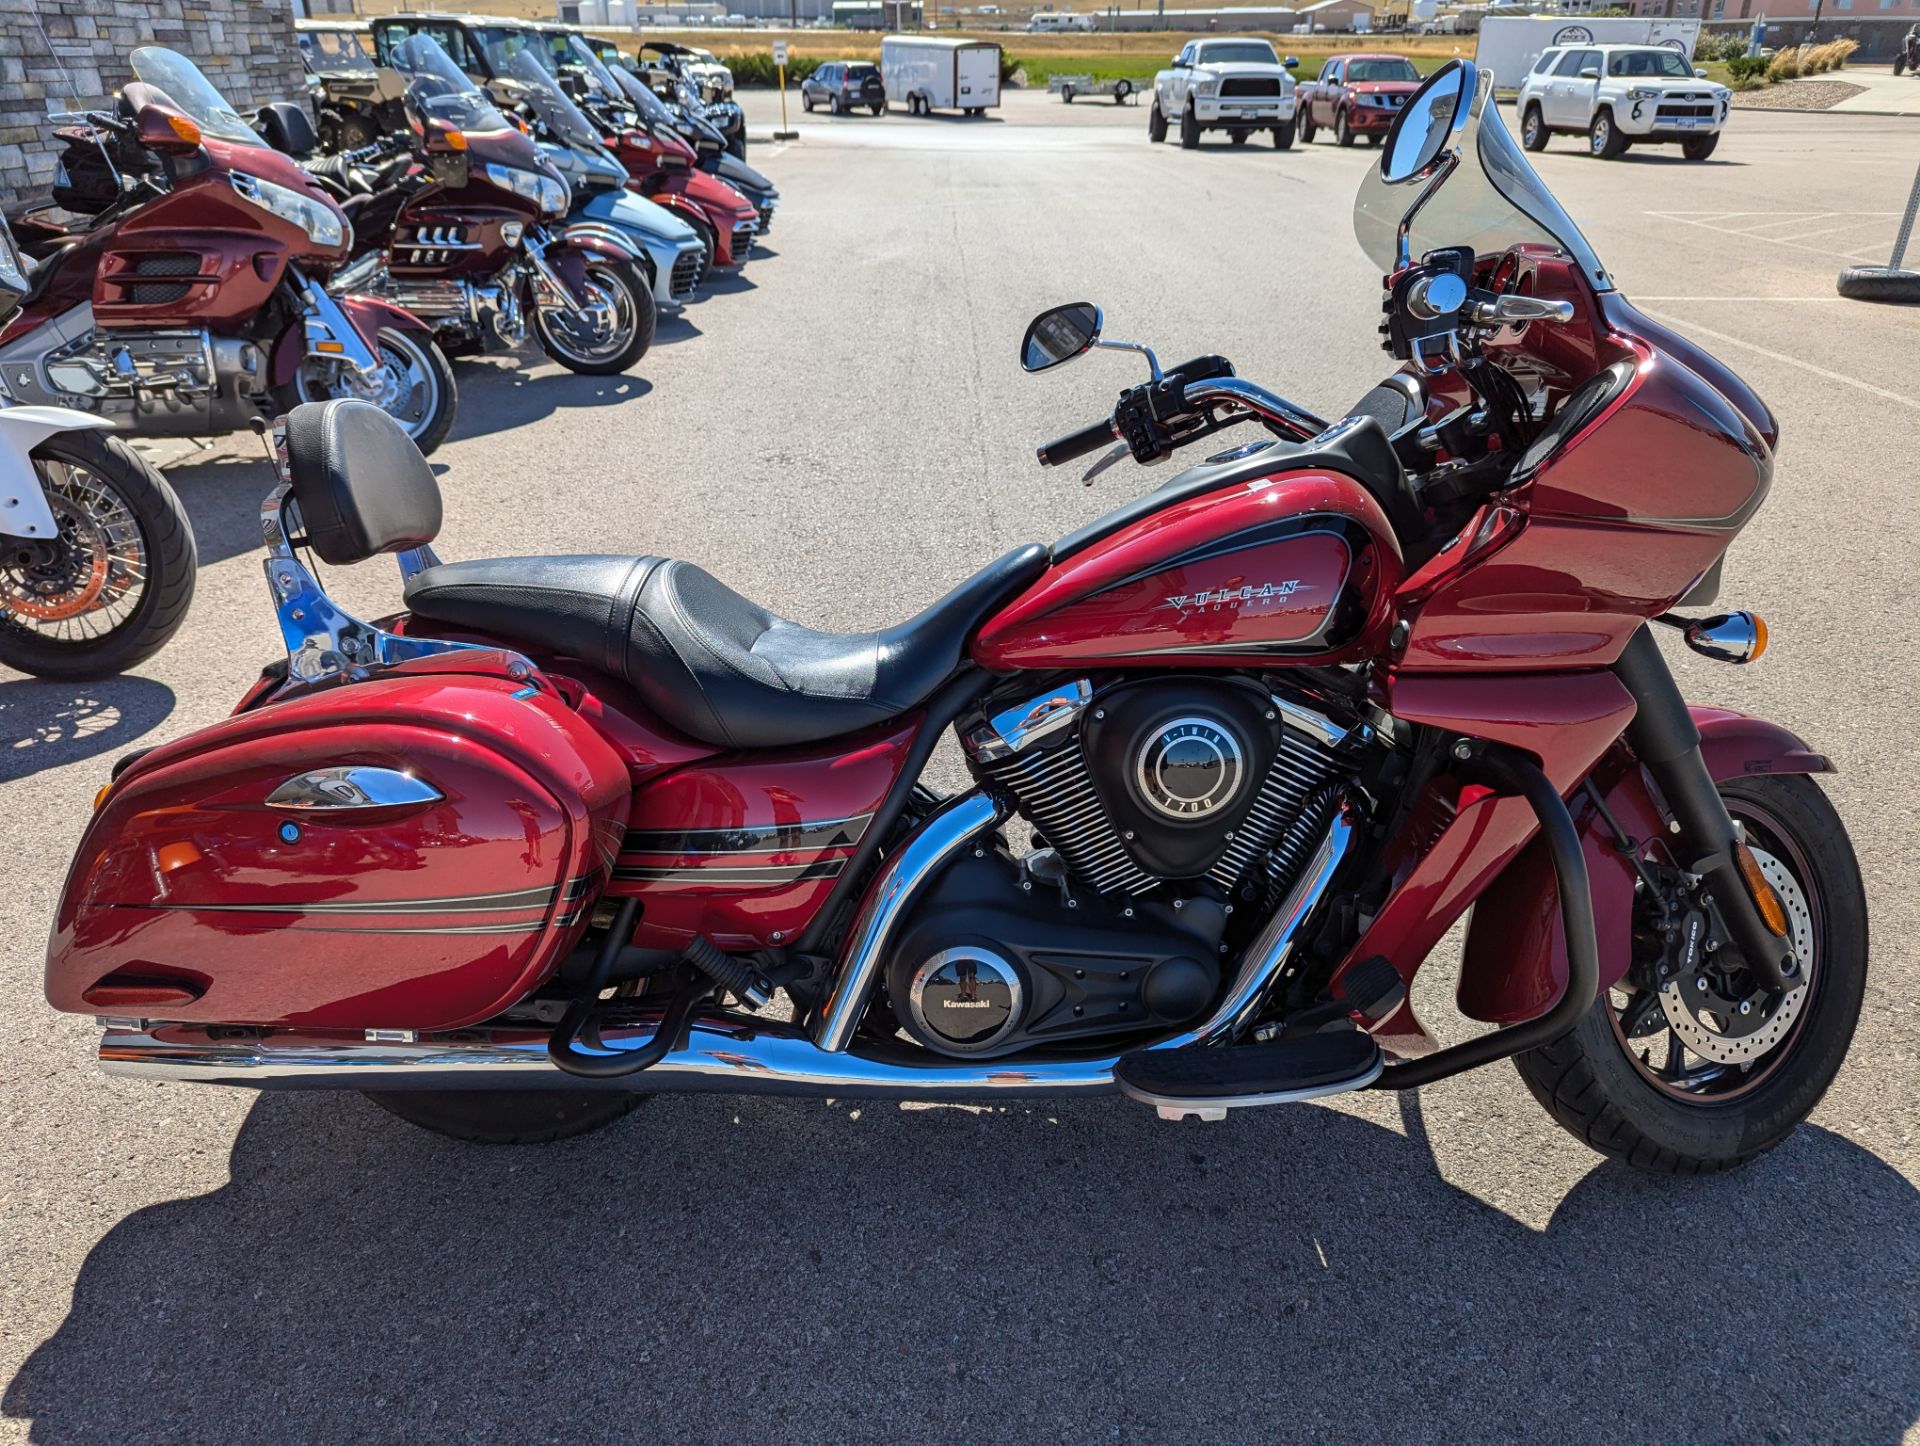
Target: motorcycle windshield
1493 200
565 119
440 91
196 96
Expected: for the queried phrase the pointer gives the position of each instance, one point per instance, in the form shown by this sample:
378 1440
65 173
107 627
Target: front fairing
637 214
737 173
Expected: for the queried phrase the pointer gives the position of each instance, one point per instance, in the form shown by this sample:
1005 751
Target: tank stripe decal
749 838
750 874
512 901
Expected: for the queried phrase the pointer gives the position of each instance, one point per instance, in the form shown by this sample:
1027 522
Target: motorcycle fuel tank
1297 568
411 852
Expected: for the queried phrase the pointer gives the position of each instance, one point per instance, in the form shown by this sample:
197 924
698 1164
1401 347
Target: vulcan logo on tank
1251 592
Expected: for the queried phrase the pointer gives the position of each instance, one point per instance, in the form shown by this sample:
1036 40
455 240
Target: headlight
320 221
1643 92
1207 85
549 195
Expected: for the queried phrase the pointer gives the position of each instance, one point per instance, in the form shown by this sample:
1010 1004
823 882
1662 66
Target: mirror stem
1153 362
1402 249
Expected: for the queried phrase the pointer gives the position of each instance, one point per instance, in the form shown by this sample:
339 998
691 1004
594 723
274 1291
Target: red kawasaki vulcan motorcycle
192 302
553 839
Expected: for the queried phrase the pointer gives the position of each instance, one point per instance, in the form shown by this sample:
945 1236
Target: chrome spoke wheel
87 580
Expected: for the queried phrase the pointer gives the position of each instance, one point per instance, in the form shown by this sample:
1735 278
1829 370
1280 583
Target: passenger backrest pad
362 486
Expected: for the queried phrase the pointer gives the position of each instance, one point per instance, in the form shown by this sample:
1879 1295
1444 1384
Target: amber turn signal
1772 912
184 128
1729 637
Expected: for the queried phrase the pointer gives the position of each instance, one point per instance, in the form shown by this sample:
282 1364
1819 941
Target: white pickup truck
1619 96
1239 86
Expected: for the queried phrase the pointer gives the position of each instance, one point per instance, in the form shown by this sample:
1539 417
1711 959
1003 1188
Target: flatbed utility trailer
1071 87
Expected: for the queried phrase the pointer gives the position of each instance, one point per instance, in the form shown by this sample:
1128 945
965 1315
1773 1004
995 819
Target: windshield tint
187 88
1649 62
330 50
440 90
565 119
1238 52
1492 201
500 43
1365 70
861 72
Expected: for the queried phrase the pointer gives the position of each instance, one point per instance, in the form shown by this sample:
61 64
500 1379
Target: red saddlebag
412 852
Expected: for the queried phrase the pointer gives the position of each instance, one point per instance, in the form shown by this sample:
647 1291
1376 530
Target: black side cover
362 486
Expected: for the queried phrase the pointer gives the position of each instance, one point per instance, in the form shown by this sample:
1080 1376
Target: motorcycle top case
416 851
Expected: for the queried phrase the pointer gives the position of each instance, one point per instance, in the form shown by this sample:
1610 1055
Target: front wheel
1604 138
806 102
1306 125
1692 1070
1156 122
1342 132
508 1117
1698 148
109 590
1533 130
615 330
414 385
1283 136
1189 130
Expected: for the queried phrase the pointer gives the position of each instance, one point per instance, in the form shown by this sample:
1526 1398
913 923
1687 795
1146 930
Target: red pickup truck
1354 96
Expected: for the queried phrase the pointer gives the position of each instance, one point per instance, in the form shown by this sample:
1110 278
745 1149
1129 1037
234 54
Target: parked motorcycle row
198 272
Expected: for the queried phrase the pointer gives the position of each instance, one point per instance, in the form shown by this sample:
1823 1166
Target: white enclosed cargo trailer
927 73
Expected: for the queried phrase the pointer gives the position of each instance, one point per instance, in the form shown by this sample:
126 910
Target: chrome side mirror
1427 125
1060 335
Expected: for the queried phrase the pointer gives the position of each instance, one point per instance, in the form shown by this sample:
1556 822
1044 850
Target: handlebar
1076 444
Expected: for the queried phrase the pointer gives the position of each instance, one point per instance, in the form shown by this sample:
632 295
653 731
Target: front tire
1156 122
806 102
508 1117
1533 130
115 586
1189 130
1656 1118
1283 136
620 330
1307 130
416 389
1342 132
1698 148
1604 138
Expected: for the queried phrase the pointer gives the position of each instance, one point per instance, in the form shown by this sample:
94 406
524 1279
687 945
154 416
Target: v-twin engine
182 382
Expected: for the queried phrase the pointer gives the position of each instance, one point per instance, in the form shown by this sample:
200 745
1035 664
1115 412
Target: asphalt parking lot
843 433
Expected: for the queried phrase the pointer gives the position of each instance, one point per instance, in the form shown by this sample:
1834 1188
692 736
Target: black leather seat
708 661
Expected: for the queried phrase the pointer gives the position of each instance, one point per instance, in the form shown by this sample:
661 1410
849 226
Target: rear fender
24 511
1515 963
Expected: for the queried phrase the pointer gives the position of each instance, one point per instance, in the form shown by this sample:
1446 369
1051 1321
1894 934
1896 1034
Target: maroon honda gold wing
558 835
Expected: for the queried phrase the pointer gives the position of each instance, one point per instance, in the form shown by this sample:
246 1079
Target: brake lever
1119 452
1510 310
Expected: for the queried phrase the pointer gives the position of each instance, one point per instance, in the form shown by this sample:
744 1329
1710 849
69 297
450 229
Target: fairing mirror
166 131
1429 125
1060 335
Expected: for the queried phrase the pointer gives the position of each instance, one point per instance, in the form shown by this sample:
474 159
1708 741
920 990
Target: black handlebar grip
1076 444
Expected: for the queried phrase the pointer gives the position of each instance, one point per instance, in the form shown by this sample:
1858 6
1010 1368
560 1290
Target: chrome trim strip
352 785
737 875
454 904
1323 729
750 838
942 835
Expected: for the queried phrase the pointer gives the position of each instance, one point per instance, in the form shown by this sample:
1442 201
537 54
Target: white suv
1622 95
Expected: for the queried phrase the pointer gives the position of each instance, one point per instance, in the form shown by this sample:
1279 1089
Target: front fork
329 332
1709 843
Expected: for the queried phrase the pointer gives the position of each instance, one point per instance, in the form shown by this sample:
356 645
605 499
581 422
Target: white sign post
780 65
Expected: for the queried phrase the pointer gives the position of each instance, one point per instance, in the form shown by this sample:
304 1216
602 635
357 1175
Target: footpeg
1201 1081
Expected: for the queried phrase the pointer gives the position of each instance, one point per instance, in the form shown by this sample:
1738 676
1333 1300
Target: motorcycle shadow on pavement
46 724
497 396
718 1269
222 494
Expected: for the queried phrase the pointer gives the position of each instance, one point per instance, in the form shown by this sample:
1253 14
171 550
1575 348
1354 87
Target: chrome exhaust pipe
721 1056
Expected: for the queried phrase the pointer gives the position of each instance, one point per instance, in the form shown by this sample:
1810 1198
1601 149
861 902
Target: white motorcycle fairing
23 505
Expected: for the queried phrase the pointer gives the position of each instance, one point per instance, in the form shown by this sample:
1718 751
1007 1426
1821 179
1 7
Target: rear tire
1066 94
1283 136
508 1117
1698 148
1533 130
1604 138
166 547
1600 1093
1877 283
1189 130
1156 122
876 109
